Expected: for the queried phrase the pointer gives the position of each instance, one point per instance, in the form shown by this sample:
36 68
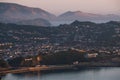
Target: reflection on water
83 74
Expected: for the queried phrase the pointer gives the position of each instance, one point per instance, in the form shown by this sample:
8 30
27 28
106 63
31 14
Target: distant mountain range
19 14
13 13
82 16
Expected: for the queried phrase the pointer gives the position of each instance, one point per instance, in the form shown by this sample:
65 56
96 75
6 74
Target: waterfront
83 74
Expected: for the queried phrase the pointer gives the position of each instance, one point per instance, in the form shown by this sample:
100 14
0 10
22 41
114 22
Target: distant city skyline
60 6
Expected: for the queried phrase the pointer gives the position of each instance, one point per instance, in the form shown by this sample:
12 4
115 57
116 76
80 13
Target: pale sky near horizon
60 6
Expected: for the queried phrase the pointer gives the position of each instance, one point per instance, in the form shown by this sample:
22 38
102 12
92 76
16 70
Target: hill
35 22
84 16
12 13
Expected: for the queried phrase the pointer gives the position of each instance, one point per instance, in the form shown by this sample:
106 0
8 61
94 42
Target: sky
60 6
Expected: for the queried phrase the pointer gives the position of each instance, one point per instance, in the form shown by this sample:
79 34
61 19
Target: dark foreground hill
82 33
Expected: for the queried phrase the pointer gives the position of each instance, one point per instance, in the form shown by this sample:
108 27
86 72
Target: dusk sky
59 6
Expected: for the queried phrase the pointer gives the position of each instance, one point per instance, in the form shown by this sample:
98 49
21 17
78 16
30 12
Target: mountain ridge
13 13
20 9
84 16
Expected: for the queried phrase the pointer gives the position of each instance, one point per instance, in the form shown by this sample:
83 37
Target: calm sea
82 74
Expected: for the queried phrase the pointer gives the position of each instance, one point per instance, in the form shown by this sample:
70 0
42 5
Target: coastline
58 67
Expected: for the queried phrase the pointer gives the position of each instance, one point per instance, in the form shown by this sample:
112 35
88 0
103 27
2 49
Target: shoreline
58 67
